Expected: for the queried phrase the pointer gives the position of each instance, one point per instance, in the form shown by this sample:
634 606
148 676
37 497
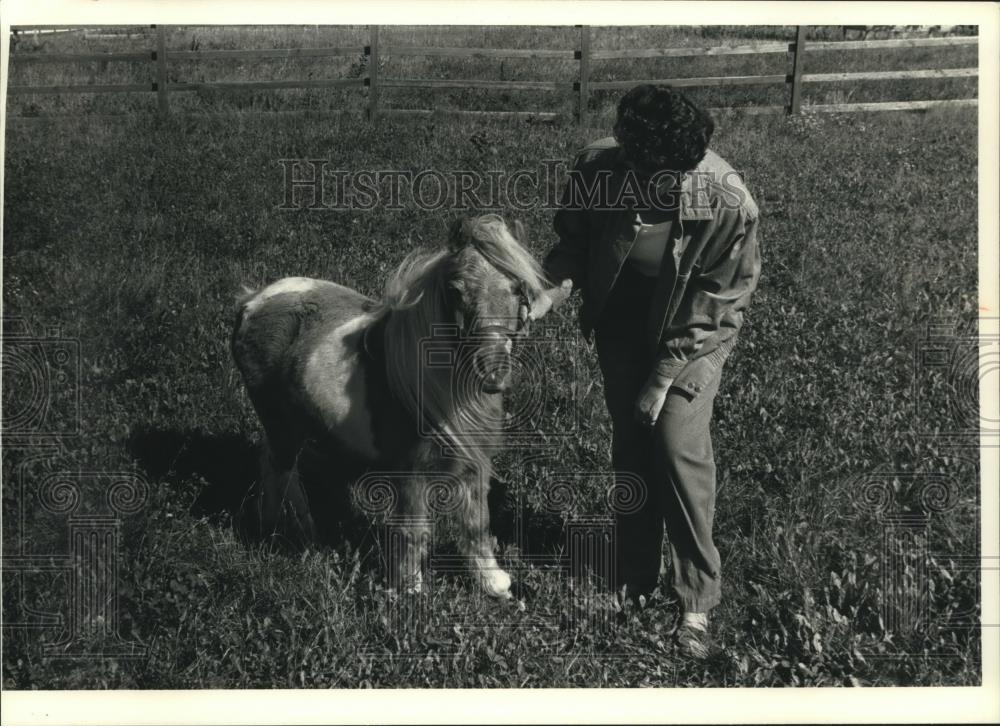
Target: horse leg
409 537
282 507
476 540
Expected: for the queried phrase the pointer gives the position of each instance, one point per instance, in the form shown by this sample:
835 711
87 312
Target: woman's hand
651 398
546 300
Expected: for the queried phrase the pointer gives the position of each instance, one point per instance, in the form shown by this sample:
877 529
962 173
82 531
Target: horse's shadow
223 465
217 474
223 468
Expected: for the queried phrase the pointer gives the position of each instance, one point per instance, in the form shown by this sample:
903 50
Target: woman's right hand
549 299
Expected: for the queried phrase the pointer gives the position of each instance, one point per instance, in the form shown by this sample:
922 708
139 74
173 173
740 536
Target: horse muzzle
492 365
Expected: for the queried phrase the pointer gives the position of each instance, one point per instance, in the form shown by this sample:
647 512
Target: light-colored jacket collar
695 201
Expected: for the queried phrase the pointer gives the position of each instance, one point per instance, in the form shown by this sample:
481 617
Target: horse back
299 344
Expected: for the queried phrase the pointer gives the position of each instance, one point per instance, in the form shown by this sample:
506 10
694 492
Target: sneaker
697 621
692 636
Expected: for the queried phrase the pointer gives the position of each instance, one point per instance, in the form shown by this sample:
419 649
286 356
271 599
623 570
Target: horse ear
520 233
458 233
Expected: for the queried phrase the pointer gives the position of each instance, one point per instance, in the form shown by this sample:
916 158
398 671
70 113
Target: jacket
708 273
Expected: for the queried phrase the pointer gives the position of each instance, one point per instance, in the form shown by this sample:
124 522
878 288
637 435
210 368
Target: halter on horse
409 386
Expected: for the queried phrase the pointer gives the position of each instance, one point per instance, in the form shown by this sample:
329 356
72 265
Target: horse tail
243 296
240 300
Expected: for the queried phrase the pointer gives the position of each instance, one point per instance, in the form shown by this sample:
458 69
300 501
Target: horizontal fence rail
90 88
498 85
707 81
83 57
44 29
890 75
892 43
374 53
425 112
482 52
892 105
267 85
281 53
692 52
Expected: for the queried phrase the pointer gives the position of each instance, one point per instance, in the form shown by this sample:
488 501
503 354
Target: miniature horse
411 385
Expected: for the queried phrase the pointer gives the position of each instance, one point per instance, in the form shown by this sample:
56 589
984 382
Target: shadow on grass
225 467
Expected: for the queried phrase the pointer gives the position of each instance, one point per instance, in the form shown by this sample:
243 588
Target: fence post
798 59
372 80
161 71
584 84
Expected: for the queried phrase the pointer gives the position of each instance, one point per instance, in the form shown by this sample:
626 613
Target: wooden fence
581 87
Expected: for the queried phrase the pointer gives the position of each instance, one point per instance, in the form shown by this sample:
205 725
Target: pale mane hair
416 298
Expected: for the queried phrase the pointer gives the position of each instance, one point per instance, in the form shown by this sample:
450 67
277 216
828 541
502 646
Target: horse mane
415 299
493 240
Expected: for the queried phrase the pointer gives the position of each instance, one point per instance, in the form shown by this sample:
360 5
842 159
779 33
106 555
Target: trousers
674 459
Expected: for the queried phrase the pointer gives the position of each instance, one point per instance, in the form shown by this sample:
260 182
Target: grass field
133 236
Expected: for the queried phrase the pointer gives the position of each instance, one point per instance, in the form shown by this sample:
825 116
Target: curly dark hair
659 128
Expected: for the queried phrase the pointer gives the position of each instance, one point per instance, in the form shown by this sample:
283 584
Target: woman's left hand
651 398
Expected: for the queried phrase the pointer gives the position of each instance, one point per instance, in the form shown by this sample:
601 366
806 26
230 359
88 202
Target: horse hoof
414 584
497 584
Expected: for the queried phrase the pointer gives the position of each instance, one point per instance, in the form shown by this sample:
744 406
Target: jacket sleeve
568 258
711 313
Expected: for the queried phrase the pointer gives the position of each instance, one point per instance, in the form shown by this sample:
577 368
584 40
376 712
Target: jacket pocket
702 373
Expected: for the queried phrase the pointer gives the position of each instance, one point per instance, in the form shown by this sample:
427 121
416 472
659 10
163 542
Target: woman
659 234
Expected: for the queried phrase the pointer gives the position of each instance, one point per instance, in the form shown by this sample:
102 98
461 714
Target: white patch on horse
336 382
284 285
